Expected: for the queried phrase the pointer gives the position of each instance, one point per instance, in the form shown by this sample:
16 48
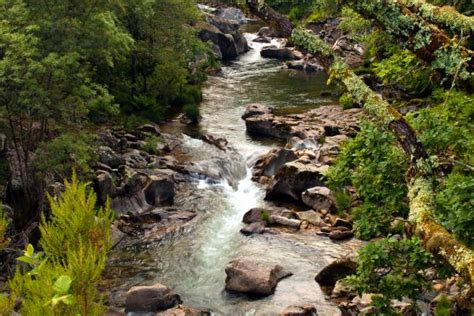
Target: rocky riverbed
230 216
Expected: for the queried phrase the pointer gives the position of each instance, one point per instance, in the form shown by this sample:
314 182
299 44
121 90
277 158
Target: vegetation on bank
441 110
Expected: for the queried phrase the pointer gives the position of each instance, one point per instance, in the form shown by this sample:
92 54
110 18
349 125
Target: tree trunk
436 238
277 21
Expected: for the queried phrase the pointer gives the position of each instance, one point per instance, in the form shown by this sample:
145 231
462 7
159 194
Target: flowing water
193 263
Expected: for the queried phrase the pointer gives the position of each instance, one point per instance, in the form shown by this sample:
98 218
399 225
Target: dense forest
92 91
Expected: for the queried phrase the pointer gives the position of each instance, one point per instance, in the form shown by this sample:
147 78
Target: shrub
343 200
346 102
62 280
191 111
64 153
455 205
391 269
150 145
4 240
374 166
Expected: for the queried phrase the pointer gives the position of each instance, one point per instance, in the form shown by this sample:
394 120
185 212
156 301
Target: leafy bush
374 166
4 240
63 279
346 102
64 154
446 128
455 205
191 111
391 269
403 68
151 145
343 200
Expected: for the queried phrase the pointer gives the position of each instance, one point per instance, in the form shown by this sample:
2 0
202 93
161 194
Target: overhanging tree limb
445 17
436 238
425 40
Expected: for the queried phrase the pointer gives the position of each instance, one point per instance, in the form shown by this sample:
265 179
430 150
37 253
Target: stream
192 263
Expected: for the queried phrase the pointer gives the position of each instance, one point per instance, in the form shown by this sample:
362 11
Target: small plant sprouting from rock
265 215
151 145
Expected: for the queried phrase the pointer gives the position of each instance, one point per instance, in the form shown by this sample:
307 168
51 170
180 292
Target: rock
254 109
341 235
225 34
352 51
109 157
105 186
149 129
283 53
150 298
295 177
231 13
335 271
219 142
283 221
253 228
268 164
135 159
266 31
318 198
261 39
259 214
342 289
253 277
300 310
159 189
339 222
306 65
184 311
312 217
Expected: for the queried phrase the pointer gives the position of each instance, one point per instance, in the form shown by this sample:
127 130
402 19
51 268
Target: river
192 263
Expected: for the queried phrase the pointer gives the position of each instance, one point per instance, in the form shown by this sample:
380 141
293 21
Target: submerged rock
184 311
253 277
152 298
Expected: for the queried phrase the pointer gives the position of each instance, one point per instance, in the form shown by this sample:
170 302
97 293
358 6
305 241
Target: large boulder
160 189
253 277
268 164
335 271
293 178
152 298
281 53
109 157
254 109
318 198
225 34
231 13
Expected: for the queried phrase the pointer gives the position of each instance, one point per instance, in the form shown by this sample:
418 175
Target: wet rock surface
152 298
250 276
300 310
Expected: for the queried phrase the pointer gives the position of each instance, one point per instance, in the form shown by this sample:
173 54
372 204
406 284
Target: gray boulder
231 13
318 198
152 298
293 178
283 53
253 277
336 270
300 310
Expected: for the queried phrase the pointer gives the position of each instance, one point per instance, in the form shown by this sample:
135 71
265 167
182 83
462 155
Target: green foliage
346 102
191 111
151 145
374 166
63 279
446 128
265 215
403 68
343 200
4 240
443 307
391 269
455 205
64 154
354 23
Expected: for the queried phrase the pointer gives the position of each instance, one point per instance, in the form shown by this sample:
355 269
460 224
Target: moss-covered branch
429 43
445 17
277 21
